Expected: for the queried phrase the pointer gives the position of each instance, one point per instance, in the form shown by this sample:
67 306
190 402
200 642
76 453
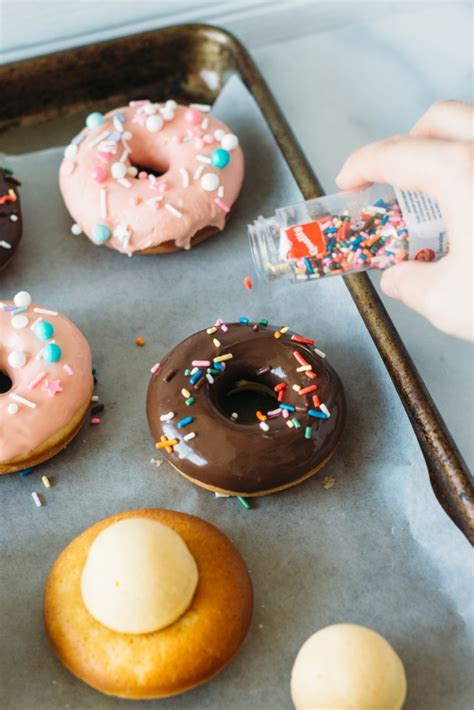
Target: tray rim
449 474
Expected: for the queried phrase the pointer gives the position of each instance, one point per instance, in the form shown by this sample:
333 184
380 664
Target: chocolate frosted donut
245 408
10 216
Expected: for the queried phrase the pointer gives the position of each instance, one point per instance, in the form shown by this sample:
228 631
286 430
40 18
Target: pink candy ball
192 116
142 175
98 173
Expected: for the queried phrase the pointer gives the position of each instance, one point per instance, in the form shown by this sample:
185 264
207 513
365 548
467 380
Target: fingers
412 283
448 120
409 162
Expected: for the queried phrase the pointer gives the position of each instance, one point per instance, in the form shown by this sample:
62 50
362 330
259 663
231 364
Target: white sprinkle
185 393
205 123
38 320
203 159
22 400
220 191
194 370
185 176
95 398
45 312
284 329
189 436
290 424
167 417
124 182
76 229
234 416
98 139
124 156
37 499
325 410
46 481
210 379
197 172
319 352
13 218
212 330
103 202
221 495
296 388
304 368
173 210
216 342
264 426
205 108
5 245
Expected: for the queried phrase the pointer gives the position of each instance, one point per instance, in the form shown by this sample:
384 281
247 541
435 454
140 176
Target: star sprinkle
52 387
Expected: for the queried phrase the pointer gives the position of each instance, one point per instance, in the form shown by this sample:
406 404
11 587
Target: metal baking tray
191 63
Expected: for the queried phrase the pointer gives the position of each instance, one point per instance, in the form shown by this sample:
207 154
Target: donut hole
245 397
5 382
158 169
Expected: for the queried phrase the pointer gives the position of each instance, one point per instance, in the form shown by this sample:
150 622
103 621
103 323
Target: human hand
437 158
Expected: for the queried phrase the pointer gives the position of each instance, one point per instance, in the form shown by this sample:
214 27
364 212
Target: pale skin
436 157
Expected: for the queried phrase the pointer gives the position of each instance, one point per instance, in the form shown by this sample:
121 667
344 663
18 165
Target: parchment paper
375 549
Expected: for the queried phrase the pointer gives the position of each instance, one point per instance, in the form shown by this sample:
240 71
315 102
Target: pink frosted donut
149 178
46 382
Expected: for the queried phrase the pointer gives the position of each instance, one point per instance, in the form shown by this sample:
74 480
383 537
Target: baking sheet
375 549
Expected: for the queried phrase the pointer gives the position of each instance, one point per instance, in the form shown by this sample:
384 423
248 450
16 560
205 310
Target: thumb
412 283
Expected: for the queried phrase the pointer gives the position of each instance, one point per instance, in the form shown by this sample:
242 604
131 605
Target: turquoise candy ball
44 330
100 233
94 119
51 352
220 157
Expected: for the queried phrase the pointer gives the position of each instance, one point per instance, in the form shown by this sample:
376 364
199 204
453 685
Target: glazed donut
245 408
46 383
150 178
10 216
167 592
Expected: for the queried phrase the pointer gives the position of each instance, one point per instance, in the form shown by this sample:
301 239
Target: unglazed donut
285 434
46 382
109 182
173 576
10 216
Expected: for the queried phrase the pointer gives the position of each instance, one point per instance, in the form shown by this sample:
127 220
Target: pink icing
28 428
167 150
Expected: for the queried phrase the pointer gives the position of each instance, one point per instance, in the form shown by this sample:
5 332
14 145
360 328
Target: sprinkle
189 401
263 371
184 422
312 375
304 368
280 386
184 176
261 416
97 140
197 376
296 388
203 159
198 171
124 182
167 417
188 437
243 502
306 341
46 481
289 407
201 363
290 424
37 499
139 341
185 393
45 312
234 416
169 376
324 409
26 471
221 495
95 421
220 191
274 413
95 398
173 210
300 358
103 203
264 426
194 370
166 444
277 334
68 370
284 329
204 108
223 205
37 380
22 400
210 378
317 415
5 245
307 432
296 423
223 358
155 368
263 322
315 400
319 352
244 321
212 330
307 390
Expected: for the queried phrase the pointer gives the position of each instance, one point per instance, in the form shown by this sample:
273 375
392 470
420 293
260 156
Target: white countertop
344 72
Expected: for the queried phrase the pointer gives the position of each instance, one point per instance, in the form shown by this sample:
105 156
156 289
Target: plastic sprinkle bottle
348 232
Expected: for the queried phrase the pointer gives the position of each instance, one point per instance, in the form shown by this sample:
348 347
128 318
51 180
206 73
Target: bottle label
302 240
428 239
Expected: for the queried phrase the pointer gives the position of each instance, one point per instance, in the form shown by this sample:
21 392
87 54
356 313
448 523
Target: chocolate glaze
10 229
241 457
